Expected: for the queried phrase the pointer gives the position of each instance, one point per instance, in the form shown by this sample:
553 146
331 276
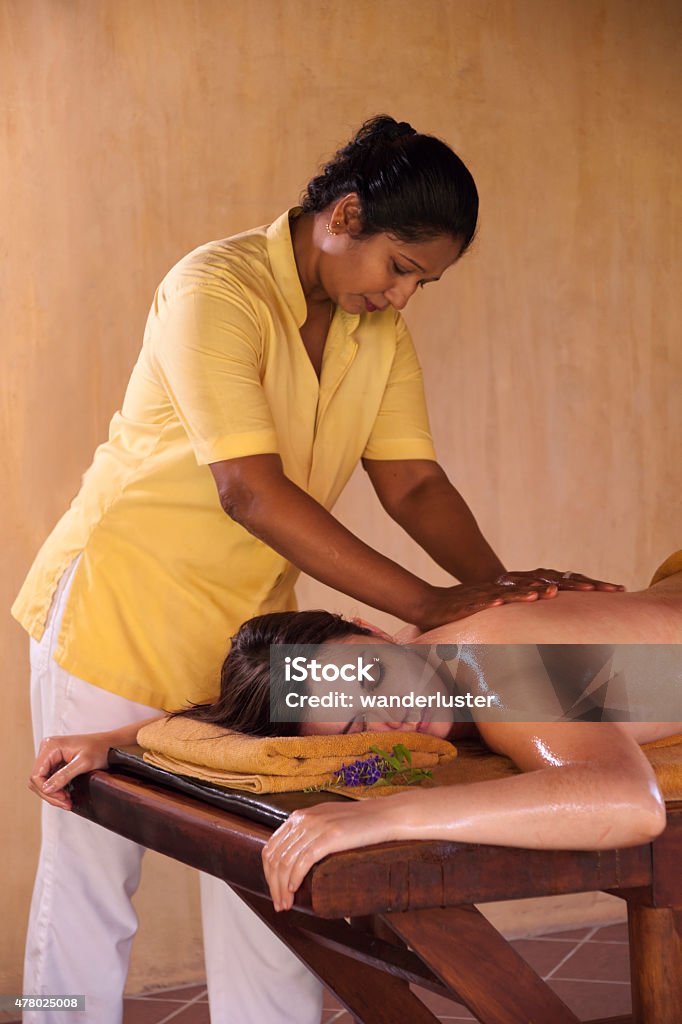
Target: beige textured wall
134 130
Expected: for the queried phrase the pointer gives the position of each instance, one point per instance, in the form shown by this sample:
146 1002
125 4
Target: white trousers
82 921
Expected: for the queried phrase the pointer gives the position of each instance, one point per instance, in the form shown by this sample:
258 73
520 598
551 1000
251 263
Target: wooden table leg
655 964
471 957
369 994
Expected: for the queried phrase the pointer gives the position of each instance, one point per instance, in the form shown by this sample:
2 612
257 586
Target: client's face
384 701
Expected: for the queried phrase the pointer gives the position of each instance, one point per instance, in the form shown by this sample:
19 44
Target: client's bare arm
585 786
61 758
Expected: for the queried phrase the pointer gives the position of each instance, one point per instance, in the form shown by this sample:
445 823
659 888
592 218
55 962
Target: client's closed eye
376 672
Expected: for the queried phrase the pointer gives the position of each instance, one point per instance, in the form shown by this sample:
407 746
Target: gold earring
337 224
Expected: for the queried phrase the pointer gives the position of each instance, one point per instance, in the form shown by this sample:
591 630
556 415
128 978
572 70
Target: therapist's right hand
448 604
62 758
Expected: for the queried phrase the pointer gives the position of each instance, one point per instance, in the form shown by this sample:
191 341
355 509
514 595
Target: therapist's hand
447 604
563 580
61 758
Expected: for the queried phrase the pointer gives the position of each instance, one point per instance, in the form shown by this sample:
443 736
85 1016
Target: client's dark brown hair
244 701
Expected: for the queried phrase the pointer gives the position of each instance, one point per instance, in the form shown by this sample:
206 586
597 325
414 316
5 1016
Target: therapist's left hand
563 580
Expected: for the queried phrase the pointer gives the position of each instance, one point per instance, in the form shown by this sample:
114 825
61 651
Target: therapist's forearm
436 516
292 523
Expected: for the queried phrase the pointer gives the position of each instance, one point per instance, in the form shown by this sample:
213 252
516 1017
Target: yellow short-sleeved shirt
166 577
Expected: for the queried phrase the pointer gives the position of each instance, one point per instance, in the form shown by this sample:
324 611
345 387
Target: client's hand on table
308 836
62 758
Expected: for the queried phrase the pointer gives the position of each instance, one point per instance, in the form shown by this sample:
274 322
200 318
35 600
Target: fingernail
48 787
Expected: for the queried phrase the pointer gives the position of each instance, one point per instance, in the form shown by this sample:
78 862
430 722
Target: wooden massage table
368 922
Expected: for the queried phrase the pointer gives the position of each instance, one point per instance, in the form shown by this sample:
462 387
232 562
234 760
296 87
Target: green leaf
401 751
380 752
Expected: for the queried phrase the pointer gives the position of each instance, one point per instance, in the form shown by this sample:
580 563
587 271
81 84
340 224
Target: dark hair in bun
410 185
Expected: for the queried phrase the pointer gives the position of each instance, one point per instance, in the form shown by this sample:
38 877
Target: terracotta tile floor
587 968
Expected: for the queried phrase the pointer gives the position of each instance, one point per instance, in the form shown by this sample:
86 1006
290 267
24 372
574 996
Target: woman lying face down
585 785
252 701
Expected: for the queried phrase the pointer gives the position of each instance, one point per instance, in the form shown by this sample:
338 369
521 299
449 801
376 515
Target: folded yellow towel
272 764
671 566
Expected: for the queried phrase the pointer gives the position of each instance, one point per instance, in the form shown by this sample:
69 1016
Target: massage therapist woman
271 363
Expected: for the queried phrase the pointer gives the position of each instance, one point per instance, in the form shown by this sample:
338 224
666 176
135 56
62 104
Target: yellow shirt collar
284 270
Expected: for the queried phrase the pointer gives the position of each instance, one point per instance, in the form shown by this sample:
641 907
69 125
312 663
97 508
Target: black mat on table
267 808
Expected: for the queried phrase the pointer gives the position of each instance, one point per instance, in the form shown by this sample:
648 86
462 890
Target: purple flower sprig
361 773
383 768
